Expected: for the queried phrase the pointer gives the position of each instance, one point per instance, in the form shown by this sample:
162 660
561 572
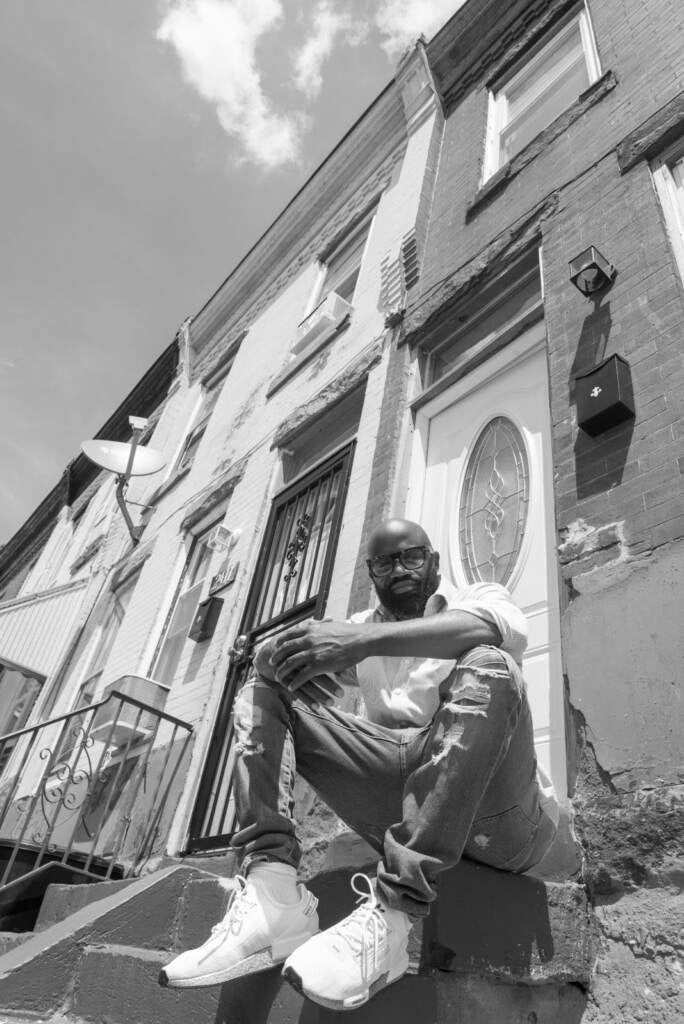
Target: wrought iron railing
93 789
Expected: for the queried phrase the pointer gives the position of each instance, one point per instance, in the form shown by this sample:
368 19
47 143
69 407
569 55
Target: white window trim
671 196
180 447
317 292
497 99
159 634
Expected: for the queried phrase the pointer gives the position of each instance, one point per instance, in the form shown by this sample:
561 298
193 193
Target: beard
410 604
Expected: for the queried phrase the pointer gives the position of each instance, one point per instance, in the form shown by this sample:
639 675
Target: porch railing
94 788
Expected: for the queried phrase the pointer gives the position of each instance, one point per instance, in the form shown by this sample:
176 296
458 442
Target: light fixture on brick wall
126 460
590 272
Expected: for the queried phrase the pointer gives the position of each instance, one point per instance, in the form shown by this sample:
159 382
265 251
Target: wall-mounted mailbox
604 395
206 617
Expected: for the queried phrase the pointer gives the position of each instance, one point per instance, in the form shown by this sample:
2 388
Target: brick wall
619 496
631 474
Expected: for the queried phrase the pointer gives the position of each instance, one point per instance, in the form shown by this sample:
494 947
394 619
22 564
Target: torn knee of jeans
485 671
450 741
489 662
468 697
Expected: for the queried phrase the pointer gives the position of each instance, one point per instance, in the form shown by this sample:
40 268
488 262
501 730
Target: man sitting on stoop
441 766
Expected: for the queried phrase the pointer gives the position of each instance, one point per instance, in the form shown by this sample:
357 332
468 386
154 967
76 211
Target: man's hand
321 689
314 648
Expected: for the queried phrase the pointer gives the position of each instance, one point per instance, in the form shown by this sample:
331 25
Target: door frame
217 756
530 342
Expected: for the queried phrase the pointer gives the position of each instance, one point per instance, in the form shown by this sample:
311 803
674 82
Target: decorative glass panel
494 503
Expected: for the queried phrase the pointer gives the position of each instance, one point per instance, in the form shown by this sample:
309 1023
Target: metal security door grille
291 582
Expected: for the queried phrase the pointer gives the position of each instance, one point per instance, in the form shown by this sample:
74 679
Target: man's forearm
312 648
447 635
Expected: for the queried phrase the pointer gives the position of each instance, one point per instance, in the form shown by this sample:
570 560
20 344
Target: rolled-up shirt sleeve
494 604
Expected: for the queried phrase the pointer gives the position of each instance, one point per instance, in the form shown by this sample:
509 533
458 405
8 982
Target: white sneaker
255 934
344 966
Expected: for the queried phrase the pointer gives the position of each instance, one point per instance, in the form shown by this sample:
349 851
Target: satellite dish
115 455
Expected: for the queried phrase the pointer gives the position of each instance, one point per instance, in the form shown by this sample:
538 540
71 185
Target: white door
481 485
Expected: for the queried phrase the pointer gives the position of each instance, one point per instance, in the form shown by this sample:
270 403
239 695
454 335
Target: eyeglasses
410 558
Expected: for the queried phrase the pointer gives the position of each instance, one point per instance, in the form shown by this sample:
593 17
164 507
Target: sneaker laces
242 900
366 927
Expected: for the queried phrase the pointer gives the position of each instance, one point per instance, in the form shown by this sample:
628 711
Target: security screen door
483 488
291 583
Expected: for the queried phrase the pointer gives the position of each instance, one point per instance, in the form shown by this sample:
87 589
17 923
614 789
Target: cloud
328 25
216 42
400 22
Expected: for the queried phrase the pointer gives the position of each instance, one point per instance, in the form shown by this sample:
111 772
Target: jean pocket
502 840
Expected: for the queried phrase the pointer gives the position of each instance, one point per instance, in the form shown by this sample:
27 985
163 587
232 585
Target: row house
123 644
469 315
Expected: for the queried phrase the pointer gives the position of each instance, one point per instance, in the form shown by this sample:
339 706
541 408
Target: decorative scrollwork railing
92 788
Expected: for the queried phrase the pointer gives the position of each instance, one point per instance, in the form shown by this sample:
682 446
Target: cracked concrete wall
624 657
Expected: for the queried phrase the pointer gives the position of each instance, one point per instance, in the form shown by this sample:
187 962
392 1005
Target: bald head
403 585
394 534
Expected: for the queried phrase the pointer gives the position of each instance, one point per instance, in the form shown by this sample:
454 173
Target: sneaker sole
256 963
339 1004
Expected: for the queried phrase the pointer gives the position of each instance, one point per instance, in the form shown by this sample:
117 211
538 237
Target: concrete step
508 948
37 975
8 940
115 983
60 901
118 984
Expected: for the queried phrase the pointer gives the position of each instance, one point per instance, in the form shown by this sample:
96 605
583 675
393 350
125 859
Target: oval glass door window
494 503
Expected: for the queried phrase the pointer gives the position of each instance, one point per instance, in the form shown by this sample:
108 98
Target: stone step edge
57 897
41 942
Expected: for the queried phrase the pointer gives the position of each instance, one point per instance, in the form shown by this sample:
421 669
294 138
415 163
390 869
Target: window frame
670 194
481 325
497 93
199 421
364 224
194 555
112 622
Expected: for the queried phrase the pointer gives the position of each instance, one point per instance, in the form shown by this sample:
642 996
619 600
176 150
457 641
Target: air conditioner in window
119 721
325 318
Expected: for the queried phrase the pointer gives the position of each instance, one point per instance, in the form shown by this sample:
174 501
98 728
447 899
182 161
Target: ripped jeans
463 785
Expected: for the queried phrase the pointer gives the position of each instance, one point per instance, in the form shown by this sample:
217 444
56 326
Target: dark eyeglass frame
399 555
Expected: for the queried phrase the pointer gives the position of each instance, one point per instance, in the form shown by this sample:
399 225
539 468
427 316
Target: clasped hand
301 657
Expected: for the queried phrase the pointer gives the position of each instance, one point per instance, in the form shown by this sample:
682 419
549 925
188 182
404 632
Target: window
330 430
491 318
333 296
343 264
120 600
184 609
192 441
668 176
18 695
559 70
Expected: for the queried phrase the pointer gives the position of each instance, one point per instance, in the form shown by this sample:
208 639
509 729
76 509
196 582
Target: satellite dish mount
138 423
126 460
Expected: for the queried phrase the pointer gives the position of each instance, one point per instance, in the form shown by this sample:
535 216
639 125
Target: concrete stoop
497 948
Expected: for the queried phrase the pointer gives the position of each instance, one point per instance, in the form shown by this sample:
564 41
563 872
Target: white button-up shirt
405 691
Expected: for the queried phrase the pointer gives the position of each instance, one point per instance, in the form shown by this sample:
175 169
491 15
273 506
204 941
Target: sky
146 145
